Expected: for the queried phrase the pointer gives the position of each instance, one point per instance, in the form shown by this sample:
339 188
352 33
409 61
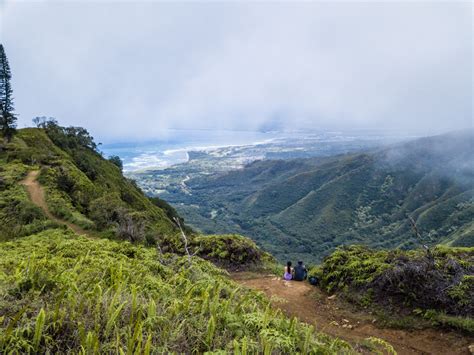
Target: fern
39 325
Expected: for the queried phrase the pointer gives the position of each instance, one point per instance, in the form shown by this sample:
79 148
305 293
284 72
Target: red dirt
36 194
336 317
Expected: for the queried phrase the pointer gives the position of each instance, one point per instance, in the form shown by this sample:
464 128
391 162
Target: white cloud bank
132 69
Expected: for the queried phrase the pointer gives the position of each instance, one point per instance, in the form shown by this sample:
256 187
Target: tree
66 137
115 159
7 118
44 122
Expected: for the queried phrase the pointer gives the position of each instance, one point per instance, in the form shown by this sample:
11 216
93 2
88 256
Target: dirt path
36 193
337 318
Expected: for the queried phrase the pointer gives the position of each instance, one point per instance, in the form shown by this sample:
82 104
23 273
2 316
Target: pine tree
7 117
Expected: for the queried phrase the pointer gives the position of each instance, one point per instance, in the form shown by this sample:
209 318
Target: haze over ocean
173 150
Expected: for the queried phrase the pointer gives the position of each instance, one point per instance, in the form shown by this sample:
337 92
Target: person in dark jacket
299 272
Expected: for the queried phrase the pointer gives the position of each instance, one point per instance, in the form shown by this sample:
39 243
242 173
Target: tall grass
67 294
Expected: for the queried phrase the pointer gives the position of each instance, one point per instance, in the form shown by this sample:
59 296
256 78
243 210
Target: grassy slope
63 293
76 186
305 208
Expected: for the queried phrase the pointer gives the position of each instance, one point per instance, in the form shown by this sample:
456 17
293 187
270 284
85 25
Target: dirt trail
36 193
335 317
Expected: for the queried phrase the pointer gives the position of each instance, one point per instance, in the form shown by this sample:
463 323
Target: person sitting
300 273
288 275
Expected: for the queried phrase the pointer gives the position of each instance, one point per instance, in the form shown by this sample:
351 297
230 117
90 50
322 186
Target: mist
131 71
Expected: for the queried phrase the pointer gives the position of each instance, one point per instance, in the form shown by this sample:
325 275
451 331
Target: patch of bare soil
333 316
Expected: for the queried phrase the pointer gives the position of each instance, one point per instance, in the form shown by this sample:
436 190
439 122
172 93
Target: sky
132 70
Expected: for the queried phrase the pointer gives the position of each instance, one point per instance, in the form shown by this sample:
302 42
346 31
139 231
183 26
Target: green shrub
115 159
230 251
398 281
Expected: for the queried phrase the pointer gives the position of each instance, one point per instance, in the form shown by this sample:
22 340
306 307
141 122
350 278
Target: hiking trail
336 317
36 194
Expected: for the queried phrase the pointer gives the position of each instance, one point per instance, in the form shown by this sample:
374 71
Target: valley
302 208
208 161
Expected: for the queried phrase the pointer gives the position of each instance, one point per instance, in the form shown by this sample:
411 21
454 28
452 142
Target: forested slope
305 208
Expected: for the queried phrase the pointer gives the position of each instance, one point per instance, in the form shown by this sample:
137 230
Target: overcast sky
128 70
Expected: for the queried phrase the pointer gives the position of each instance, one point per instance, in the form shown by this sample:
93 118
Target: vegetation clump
230 251
438 285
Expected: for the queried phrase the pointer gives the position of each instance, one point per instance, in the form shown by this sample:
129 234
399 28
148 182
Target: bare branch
418 235
414 226
183 235
159 252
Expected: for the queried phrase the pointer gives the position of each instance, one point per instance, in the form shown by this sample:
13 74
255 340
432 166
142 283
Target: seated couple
298 273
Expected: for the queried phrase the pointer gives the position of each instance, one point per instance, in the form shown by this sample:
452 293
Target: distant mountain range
304 208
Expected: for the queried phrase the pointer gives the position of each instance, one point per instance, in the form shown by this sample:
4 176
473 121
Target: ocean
173 149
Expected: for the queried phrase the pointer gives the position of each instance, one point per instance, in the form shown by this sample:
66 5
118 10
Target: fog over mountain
131 70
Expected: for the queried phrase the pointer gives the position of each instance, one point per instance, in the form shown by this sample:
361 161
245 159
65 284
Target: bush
65 182
171 213
105 211
230 251
131 226
442 280
115 159
85 163
67 137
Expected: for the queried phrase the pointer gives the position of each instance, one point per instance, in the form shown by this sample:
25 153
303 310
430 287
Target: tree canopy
7 117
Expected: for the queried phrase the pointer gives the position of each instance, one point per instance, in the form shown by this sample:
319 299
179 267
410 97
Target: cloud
131 70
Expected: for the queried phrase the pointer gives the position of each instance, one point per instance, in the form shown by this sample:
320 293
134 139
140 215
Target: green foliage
460 323
462 291
7 118
80 186
63 293
438 285
115 159
379 346
68 138
230 251
39 326
356 266
18 216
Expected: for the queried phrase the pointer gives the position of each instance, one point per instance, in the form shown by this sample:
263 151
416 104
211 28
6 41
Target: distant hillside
304 208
